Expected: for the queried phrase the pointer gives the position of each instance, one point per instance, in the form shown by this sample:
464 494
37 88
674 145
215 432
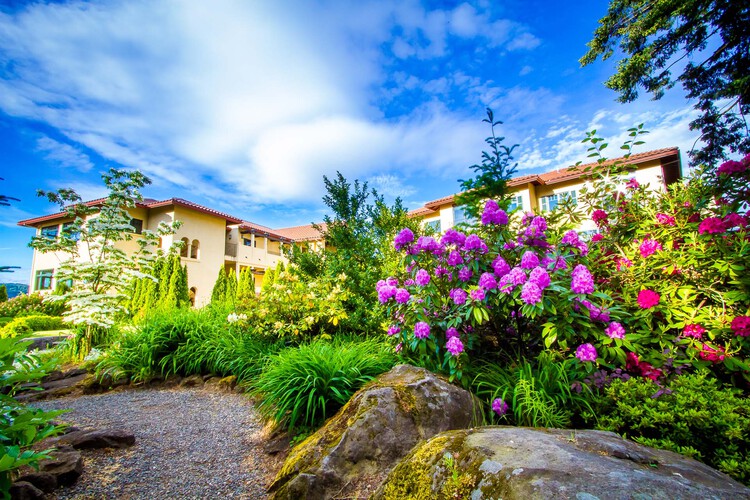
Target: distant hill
15 289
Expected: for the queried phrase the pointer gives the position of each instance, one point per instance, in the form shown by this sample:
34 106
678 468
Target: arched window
195 249
185 247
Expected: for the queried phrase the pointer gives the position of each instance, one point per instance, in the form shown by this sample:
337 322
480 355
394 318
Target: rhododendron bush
664 283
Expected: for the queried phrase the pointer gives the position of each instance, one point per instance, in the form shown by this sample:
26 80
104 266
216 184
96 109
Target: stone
42 480
517 462
355 449
93 439
66 465
228 383
192 381
22 490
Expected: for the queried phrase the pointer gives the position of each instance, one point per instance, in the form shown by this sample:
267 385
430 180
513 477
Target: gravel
190 443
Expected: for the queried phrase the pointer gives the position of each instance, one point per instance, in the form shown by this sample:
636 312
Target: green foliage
268 280
185 342
492 175
656 35
225 288
3 293
24 305
246 285
303 386
20 426
22 325
538 393
695 416
169 292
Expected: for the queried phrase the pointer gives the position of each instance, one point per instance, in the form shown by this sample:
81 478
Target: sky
245 106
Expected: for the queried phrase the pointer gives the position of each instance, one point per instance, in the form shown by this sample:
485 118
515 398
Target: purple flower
403 238
409 282
615 330
536 229
529 260
539 276
488 281
454 346
422 278
454 258
402 295
517 276
500 267
465 274
453 237
477 294
473 242
458 295
500 407
385 292
570 238
391 281
582 281
421 330
586 352
531 293
442 271
493 214
649 247
393 330
428 244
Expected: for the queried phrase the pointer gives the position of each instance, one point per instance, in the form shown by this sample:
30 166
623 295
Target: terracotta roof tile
196 207
418 212
302 233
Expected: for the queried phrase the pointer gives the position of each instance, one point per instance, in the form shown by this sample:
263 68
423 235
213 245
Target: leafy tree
492 174
3 293
268 280
656 35
98 268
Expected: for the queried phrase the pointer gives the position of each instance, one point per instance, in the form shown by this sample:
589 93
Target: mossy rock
523 463
352 453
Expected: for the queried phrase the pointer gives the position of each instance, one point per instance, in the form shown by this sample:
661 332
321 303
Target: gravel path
190 443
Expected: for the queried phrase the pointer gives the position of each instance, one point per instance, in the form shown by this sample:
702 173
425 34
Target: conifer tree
220 287
268 279
246 286
183 291
231 294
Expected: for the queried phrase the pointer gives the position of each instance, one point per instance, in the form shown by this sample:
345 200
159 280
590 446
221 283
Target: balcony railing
230 249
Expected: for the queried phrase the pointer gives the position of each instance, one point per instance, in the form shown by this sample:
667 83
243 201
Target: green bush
696 417
302 386
22 325
25 305
4 320
538 394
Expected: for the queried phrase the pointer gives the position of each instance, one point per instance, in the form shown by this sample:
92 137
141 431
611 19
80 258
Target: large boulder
522 463
353 452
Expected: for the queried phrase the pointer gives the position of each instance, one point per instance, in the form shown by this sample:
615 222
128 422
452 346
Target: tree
246 285
492 174
656 35
98 269
219 290
3 293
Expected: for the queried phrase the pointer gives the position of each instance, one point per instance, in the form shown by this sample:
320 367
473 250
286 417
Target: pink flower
665 219
597 238
422 277
734 220
454 346
500 267
623 262
531 293
465 274
649 247
454 258
632 184
451 332
741 326
615 330
711 225
586 352
539 276
529 260
648 299
500 407
488 281
599 217
458 295
582 281
393 330
403 238
731 167
477 294
711 353
693 330
421 330
402 295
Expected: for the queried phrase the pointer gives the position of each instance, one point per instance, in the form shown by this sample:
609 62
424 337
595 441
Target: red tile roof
194 206
302 233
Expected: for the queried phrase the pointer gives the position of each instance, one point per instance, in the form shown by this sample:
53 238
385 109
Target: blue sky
244 106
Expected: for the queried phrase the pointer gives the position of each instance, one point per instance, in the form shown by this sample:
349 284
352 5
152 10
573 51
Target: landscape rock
228 383
66 465
22 490
524 463
92 439
42 480
192 381
352 453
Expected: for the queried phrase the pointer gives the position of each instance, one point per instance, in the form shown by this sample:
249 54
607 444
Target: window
246 242
184 248
69 231
195 249
459 216
550 202
50 232
43 280
434 225
515 202
137 225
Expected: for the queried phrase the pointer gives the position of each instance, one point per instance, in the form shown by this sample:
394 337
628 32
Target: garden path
190 443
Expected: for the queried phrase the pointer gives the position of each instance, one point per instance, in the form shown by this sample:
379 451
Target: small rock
192 381
22 490
86 440
66 466
228 383
42 480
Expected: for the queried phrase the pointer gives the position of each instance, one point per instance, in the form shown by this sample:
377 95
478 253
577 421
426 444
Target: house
211 239
539 193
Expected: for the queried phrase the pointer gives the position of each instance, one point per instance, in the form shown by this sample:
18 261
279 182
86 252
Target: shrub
695 416
302 386
22 325
24 305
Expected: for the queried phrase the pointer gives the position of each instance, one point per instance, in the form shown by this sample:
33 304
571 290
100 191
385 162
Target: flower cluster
615 330
493 214
649 247
741 326
600 217
500 407
693 330
648 299
665 220
731 167
586 352
582 281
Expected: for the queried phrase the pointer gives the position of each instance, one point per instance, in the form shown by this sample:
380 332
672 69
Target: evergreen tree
170 300
183 291
220 287
231 293
268 280
3 293
246 285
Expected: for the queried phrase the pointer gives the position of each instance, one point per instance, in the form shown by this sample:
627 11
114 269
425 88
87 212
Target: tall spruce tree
219 291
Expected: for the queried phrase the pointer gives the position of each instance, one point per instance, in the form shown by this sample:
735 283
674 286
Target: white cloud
391 186
64 155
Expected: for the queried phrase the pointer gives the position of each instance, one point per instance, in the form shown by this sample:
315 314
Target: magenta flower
733 220
599 217
649 247
648 299
454 346
632 184
453 237
488 281
529 260
403 238
473 242
582 281
402 295
597 238
454 258
731 167
500 407
623 262
615 330
458 295
385 292
711 225
711 353
586 352
741 326
391 281
540 276
570 238
666 220
531 293
421 330
422 278
500 267
393 330
477 294
693 330
451 332
465 274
